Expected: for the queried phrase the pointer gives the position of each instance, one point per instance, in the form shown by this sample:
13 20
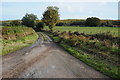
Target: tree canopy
29 20
51 16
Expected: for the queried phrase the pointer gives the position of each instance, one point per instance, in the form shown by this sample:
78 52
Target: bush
92 21
40 26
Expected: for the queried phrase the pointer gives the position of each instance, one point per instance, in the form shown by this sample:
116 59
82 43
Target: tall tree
51 16
29 20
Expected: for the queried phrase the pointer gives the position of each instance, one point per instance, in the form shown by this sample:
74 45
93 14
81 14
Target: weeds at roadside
98 53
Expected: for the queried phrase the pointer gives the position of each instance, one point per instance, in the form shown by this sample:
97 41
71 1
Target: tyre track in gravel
15 63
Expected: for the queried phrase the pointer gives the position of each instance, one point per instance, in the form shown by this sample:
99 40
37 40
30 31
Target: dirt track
45 59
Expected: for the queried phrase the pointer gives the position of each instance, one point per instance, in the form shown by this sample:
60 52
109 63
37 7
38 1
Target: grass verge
98 64
110 70
13 45
44 37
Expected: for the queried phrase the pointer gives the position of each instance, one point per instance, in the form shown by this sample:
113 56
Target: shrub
92 21
40 26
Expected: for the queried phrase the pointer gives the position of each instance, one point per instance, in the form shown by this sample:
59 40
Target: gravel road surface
45 59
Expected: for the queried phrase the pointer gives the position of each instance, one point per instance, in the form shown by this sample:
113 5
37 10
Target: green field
88 30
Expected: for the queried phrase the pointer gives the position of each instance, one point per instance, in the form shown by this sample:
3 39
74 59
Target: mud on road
45 59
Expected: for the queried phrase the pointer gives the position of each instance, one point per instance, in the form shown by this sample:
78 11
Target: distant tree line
89 22
11 23
68 22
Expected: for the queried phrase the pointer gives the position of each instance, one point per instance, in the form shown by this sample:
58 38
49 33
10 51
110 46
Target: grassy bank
88 30
14 38
100 60
96 63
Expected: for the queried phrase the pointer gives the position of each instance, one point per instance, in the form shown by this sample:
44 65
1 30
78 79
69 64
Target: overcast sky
67 10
